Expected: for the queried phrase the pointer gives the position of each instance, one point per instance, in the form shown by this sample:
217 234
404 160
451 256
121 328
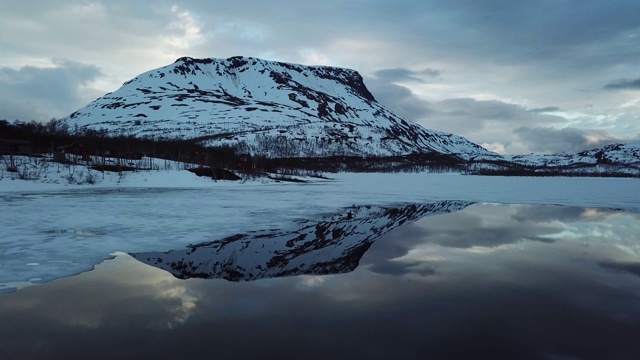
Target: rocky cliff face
328 246
266 107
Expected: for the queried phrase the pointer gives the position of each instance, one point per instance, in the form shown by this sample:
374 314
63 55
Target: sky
513 76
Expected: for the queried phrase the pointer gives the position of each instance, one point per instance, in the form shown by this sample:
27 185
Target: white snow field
53 230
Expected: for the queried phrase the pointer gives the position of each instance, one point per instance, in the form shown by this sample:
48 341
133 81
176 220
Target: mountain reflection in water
486 282
331 245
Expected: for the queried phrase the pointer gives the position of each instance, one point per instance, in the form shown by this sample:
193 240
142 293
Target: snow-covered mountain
277 109
619 158
628 153
268 108
330 246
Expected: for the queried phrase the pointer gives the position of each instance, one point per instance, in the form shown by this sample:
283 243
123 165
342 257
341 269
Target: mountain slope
264 107
330 246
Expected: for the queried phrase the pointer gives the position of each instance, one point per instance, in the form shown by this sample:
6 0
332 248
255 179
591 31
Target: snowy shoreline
33 174
361 188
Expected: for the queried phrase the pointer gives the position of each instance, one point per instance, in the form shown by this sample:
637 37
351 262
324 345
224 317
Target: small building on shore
75 148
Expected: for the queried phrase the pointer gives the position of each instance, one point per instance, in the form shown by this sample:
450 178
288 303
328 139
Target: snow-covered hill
268 108
628 153
617 158
330 246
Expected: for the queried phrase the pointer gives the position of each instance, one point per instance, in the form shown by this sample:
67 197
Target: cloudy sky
514 76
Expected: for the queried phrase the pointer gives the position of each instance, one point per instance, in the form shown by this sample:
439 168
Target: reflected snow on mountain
332 245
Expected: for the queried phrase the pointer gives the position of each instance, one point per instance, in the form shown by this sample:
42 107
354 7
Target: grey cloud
63 78
551 29
628 267
624 85
401 74
544 109
485 121
469 31
399 99
568 140
36 93
494 110
396 268
463 112
464 33
481 121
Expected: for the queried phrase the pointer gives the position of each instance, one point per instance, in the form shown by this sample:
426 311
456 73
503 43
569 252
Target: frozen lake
48 234
374 265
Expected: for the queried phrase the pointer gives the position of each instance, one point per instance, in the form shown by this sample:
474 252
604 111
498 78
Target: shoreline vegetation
30 151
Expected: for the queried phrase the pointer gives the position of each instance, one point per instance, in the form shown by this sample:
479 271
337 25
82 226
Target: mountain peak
264 107
347 77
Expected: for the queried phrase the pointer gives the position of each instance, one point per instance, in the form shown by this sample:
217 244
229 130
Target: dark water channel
441 280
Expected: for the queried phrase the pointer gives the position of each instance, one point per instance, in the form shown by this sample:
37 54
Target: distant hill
628 154
615 160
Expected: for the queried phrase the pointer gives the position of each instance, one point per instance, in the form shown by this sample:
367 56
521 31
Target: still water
439 280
